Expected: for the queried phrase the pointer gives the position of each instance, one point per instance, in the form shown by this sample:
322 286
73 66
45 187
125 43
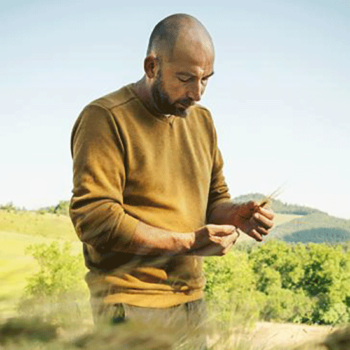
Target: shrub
283 282
57 291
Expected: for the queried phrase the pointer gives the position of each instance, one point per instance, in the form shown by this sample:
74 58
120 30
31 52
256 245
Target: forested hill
305 224
278 206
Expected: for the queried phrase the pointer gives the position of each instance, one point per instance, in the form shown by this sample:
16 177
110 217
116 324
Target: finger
218 250
256 235
262 231
268 213
210 250
251 206
222 230
245 210
261 220
231 238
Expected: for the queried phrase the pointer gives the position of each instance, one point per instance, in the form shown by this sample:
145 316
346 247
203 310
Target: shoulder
114 100
99 116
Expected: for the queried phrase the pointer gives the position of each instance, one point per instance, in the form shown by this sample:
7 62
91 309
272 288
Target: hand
214 240
253 219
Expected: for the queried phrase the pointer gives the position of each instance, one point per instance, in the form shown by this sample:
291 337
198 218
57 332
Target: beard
162 100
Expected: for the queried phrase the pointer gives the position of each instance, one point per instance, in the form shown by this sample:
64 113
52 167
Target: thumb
251 205
247 209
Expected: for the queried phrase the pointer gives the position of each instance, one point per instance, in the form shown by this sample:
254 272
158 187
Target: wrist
224 214
187 242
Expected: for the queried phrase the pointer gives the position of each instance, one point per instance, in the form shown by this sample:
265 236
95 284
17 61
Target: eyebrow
193 75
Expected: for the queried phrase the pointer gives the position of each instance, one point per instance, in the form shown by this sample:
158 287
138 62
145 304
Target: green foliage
284 282
230 288
58 285
59 270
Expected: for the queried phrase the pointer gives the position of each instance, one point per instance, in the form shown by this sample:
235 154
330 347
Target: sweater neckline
169 119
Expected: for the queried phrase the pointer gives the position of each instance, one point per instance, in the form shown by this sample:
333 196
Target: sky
279 97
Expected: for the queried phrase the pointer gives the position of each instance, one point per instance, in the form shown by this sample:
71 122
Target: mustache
187 102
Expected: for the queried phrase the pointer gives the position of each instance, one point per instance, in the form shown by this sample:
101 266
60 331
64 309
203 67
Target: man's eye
184 80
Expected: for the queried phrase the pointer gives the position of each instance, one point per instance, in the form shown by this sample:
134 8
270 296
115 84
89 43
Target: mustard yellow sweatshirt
131 165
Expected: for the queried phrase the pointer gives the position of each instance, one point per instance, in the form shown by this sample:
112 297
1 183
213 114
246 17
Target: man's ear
150 66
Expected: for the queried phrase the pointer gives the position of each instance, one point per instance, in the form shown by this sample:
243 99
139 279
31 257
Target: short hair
165 33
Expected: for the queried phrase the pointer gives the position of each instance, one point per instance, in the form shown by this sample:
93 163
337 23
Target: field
20 229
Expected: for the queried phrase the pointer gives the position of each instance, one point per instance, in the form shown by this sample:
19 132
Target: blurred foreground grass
34 333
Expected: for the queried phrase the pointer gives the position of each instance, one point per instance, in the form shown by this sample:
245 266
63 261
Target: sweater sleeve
99 177
218 192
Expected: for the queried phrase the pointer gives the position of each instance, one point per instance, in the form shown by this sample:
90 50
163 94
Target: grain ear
273 195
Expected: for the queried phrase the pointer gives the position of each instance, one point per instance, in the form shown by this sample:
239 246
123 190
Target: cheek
175 91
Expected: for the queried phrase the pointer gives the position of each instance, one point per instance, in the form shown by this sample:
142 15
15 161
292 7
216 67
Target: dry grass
34 333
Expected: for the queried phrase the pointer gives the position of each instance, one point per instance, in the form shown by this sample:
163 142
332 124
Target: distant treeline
278 206
62 208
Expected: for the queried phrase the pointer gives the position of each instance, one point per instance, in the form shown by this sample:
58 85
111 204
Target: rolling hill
303 224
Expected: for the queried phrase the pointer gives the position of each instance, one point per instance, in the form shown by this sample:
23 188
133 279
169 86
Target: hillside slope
303 224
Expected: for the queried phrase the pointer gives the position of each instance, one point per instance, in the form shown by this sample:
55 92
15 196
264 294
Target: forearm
107 226
149 240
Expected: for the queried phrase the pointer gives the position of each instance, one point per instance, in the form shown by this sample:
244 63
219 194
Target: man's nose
195 92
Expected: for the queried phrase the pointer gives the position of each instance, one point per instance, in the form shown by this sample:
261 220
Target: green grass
35 224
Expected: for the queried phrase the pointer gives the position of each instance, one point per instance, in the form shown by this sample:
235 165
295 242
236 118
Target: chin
181 112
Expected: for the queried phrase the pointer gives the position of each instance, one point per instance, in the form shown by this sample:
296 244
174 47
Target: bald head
179 63
179 30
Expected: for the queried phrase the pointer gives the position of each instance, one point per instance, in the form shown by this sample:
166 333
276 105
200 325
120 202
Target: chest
165 159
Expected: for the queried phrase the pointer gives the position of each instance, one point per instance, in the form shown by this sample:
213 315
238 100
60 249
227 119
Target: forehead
191 54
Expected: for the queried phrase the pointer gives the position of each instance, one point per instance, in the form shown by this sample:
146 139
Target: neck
143 91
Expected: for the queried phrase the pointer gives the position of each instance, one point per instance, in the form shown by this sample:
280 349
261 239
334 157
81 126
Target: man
150 199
